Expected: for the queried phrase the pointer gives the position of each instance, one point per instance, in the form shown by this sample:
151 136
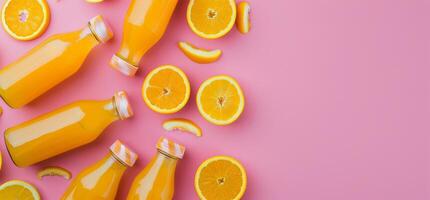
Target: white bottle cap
101 29
123 105
123 66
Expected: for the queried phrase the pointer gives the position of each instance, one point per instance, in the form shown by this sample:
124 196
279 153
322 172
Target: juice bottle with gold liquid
157 180
51 62
100 181
64 129
144 25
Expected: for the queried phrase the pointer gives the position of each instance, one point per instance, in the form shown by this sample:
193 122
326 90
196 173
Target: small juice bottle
51 62
157 180
101 180
64 129
144 25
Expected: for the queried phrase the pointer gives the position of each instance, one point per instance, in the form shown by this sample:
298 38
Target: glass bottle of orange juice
144 25
157 180
64 129
51 62
100 181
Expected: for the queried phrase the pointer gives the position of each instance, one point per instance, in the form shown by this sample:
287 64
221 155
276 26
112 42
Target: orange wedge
243 21
182 125
211 19
220 100
17 189
25 19
166 89
220 178
54 171
197 55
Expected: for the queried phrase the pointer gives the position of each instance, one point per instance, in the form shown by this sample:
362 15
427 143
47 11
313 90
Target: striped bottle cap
123 105
171 148
123 153
100 28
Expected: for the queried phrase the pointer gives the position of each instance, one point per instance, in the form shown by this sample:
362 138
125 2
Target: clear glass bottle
144 25
64 129
50 63
157 180
100 181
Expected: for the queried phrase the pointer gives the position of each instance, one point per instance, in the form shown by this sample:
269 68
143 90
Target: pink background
337 99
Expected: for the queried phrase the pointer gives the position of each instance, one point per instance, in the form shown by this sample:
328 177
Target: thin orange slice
17 189
243 21
184 125
220 178
25 19
1 160
211 19
220 100
166 89
54 171
197 55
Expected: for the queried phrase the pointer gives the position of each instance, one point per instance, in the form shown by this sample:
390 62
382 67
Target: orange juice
101 180
157 180
64 129
144 25
51 62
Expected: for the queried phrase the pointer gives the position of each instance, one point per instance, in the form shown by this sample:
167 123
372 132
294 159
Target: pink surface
337 99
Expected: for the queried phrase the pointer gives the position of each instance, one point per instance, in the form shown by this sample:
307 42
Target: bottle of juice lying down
157 180
144 25
64 129
100 181
51 62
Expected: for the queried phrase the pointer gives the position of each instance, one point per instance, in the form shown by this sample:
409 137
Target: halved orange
243 20
220 178
17 189
54 171
166 89
25 19
220 100
182 125
211 19
198 55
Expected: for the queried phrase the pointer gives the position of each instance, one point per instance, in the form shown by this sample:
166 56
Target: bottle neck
108 106
110 164
166 160
87 35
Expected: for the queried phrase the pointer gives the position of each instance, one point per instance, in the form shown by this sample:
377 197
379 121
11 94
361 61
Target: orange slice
197 55
220 178
166 89
1 160
25 19
211 19
220 100
17 189
54 171
243 21
182 125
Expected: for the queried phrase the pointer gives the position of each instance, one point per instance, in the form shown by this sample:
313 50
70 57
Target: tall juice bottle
64 129
157 180
144 25
51 62
100 181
